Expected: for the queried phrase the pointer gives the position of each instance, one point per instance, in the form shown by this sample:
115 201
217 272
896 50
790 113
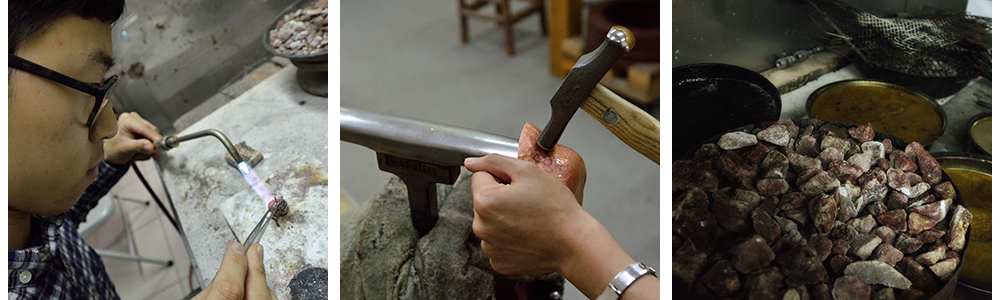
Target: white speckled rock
946 268
736 139
876 149
864 244
863 159
878 272
957 227
775 134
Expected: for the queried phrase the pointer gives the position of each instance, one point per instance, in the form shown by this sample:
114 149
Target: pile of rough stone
813 210
302 32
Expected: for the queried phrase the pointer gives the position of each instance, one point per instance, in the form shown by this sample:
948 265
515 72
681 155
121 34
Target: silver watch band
624 279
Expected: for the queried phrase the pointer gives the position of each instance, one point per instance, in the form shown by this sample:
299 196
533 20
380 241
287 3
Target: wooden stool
504 17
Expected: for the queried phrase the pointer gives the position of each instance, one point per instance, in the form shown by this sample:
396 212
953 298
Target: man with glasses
64 142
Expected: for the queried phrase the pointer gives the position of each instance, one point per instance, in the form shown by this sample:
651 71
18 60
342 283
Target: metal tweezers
259 229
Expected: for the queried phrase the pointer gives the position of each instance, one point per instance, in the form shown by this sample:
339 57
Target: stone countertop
275 117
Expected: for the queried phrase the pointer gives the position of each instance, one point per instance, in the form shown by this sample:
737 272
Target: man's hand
134 140
241 276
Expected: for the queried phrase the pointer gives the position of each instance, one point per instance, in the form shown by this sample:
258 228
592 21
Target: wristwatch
624 279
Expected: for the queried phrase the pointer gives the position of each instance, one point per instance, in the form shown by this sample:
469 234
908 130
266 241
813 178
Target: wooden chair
504 17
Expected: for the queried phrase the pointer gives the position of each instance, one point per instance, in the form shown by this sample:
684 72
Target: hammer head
581 80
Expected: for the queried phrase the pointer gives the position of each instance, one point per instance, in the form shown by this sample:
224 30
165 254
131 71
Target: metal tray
948 288
296 59
871 83
971 162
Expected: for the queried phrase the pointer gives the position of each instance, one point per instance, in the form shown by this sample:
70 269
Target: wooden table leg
564 22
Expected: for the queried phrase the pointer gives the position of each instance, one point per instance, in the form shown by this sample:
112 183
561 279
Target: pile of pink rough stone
812 210
303 31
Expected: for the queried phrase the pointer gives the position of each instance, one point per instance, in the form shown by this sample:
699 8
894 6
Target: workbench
287 126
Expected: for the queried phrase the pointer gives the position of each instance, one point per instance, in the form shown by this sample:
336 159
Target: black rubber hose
158 202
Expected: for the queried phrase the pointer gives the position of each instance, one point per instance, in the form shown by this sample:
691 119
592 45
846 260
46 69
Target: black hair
28 17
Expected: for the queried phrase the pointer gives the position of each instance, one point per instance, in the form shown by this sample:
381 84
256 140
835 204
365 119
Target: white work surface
287 126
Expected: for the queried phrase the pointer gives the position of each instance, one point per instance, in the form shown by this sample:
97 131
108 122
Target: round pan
884 85
709 99
976 140
975 163
297 59
948 288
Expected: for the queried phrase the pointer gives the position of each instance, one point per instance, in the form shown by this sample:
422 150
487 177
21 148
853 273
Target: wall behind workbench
174 54
753 34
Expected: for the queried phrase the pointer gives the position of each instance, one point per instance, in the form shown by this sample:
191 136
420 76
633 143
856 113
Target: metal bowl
296 59
948 288
980 133
967 174
312 68
709 99
890 108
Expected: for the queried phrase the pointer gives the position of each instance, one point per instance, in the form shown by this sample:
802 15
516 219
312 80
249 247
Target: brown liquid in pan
977 188
890 111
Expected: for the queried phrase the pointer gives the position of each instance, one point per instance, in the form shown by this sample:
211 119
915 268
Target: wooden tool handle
630 124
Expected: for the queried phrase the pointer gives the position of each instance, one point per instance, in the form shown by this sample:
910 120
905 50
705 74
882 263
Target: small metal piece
985 104
555 295
581 80
165 143
784 62
280 207
258 230
802 54
622 36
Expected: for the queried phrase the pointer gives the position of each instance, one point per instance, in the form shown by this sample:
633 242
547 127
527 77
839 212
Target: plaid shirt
59 264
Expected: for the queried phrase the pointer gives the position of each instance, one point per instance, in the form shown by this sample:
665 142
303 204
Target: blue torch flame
258 186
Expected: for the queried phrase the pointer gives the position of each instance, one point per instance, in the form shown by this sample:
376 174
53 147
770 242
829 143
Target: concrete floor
406 58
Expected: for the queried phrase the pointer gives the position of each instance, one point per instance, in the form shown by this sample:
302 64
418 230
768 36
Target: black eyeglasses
100 91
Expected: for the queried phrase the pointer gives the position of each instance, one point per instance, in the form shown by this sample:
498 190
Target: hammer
423 154
580 89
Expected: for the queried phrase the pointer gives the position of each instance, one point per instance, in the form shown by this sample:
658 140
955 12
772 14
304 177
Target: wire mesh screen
928 45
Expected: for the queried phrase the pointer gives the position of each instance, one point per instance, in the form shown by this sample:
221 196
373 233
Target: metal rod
169 142
119 255
258 230
439 144
222 138
180 229
133 200
151 193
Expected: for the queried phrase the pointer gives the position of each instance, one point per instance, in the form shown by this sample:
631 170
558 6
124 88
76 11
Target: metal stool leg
123 256
132 255
143 202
